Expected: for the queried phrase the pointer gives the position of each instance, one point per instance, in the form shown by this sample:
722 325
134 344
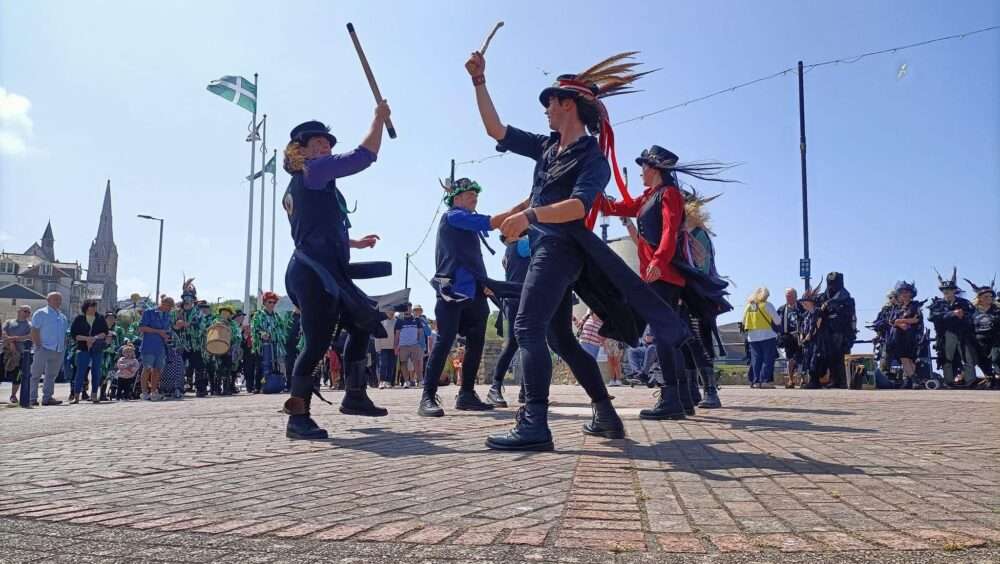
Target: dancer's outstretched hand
366 242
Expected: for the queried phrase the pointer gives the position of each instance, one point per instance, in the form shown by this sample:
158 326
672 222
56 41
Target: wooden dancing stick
371 78
489 38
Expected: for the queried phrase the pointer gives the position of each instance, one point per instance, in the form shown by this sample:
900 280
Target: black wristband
532 216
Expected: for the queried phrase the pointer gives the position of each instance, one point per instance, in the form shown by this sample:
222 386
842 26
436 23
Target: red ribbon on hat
606 140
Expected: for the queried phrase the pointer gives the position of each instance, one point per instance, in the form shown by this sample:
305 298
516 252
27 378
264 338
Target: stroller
172 379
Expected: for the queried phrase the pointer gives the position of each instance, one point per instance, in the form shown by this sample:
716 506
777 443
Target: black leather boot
356 400
711 399
605 422
430 404
300 422
695 387
684 391
495 396
667 407
468 400
530 433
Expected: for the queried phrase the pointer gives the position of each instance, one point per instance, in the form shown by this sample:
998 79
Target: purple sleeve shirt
320 171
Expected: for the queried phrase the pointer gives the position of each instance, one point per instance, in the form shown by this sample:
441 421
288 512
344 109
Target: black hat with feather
951 284
611 77
980 290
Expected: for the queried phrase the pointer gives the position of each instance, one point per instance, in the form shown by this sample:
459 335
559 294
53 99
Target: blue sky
903 173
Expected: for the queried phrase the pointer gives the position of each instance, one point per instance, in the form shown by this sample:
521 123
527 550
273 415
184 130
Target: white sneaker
383 385
144 396
406 385
155 396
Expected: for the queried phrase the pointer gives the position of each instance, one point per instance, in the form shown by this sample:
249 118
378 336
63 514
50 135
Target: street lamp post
159 256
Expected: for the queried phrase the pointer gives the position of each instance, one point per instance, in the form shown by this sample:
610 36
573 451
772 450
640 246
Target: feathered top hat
812 294
980 290
657 157
951 284
188 290
452 189
302 132
611 77
903 285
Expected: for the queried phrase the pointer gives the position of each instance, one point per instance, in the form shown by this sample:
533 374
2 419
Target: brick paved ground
791 474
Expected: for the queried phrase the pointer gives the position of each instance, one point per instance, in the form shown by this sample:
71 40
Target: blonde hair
760 295
695 215
295 157
976 300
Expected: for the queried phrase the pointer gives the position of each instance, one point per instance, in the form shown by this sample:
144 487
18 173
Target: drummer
220 366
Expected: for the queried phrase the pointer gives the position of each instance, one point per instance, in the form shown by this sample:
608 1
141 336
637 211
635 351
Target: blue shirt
460 218
52 325
579 171
411 330
152 343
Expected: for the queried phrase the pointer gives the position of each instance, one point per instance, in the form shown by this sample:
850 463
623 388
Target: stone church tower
103 264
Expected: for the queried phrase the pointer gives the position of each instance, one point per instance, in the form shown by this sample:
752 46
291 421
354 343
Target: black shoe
356 400
300 422
667 407
530 433
430 405
711 399
468 400
495 397
684 392
605 422
303 427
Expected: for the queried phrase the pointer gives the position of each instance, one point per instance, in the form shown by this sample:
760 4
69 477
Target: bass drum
217 339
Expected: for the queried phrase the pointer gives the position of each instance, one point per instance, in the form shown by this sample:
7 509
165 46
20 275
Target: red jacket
673 219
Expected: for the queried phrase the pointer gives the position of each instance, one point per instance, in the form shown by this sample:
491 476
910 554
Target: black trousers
195 370
320 315
467 318
545 319
509 346
676 358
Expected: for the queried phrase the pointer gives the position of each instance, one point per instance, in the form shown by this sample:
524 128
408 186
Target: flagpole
274 207
253 155
263 189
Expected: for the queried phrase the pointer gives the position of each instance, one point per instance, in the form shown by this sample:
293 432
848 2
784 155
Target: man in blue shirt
571 171
461 306
48 333
155 330
410 333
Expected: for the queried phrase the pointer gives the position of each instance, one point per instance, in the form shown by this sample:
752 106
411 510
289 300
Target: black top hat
307 130
980 290
949 284
203 303
567 85
657 157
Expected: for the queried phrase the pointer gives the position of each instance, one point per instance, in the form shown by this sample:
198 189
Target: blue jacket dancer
318 278
460 281
571 170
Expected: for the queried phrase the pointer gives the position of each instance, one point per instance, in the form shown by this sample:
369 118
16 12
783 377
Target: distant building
37 272
102 266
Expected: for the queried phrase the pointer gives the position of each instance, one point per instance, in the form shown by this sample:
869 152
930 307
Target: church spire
104 230
48 243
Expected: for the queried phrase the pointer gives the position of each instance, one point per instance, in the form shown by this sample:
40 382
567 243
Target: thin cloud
15 123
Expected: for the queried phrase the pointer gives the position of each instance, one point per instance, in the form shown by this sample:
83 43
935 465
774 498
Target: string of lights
842 60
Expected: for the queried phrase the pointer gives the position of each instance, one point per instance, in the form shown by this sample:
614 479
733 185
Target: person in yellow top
759 318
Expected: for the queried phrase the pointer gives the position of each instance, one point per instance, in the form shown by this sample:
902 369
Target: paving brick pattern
776 471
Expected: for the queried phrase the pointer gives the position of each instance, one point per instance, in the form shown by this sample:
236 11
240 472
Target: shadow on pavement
762 409
699 456
783 425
